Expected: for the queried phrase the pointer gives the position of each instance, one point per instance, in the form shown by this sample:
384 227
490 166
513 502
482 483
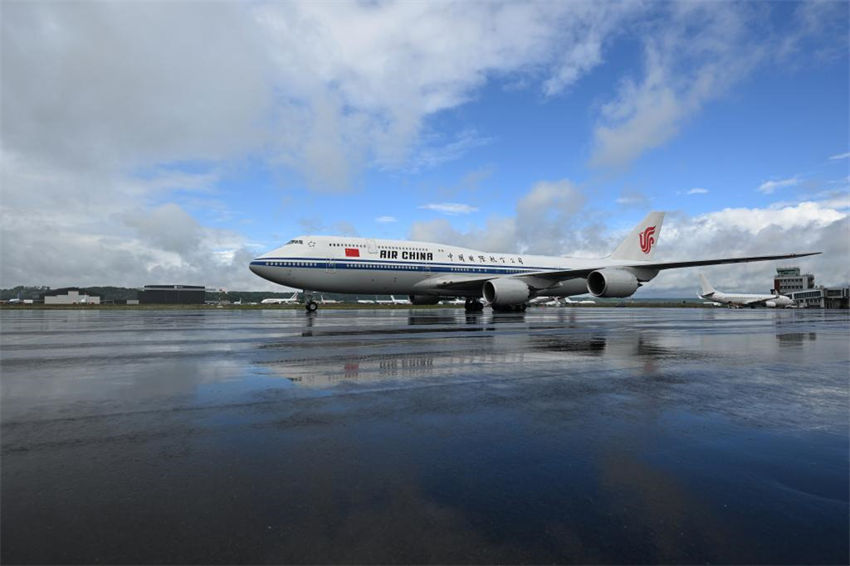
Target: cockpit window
294 242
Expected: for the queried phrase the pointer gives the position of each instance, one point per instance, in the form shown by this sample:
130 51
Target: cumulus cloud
450 207
546 220
99 98
553 219
769 186
789 228
98 228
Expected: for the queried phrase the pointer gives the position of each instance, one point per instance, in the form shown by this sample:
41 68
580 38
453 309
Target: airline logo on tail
647 239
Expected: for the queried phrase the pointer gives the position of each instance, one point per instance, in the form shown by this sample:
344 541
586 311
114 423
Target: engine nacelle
506 291
612 283
423 299
771 304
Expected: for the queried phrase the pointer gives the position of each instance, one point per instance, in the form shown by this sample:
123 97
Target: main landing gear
473 305
310 305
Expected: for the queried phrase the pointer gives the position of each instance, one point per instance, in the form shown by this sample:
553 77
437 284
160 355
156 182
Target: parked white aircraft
281 300
741 299
428 272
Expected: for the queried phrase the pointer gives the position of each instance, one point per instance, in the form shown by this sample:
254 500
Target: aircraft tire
311 306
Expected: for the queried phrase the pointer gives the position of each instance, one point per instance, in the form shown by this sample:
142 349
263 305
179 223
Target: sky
172 142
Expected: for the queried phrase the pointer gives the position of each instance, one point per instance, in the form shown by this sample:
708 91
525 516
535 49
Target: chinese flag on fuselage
352 252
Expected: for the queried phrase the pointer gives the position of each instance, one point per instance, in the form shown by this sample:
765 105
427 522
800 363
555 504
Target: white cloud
450 207
769 186
818 225
633 198
386 219
840 156
547 220
94 92
97 228
694 53
790 228
697 191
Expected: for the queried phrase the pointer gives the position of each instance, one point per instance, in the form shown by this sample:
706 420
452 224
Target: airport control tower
789 279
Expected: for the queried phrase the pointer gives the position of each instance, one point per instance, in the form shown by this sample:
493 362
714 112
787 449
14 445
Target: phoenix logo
647 239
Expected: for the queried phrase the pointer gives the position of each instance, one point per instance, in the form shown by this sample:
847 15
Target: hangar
172 295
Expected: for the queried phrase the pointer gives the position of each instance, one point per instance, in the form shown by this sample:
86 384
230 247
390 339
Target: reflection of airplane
741 299
429 271
281 301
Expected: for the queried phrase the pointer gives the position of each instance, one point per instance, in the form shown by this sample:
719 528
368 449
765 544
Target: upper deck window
294 242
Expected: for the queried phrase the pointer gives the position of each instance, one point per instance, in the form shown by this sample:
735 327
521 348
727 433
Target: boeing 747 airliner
428 272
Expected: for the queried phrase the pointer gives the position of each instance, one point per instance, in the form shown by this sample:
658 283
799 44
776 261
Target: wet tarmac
425 436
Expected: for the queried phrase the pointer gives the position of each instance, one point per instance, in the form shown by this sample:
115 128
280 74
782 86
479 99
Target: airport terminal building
70 296
800 287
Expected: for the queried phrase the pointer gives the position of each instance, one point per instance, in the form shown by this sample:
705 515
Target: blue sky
171 142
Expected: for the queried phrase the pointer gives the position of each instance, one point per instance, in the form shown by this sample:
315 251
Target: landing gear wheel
311 306
473 305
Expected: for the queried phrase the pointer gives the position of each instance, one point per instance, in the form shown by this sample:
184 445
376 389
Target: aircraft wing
455 282
656 266
544 279
757 301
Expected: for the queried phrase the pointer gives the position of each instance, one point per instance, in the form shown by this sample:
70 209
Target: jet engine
506 291
423 299
771 304
612 283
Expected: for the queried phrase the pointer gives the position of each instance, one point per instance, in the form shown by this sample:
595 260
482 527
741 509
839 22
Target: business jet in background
709 293
427 272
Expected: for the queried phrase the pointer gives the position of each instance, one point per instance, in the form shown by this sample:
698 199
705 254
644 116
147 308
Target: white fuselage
372 266
748 299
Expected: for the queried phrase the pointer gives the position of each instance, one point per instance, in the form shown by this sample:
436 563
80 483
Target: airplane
741 299
281 301
428 272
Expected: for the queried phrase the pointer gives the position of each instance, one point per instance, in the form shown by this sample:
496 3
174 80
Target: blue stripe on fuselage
384 265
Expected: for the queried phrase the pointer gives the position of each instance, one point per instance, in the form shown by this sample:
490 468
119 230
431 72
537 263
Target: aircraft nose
254 267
